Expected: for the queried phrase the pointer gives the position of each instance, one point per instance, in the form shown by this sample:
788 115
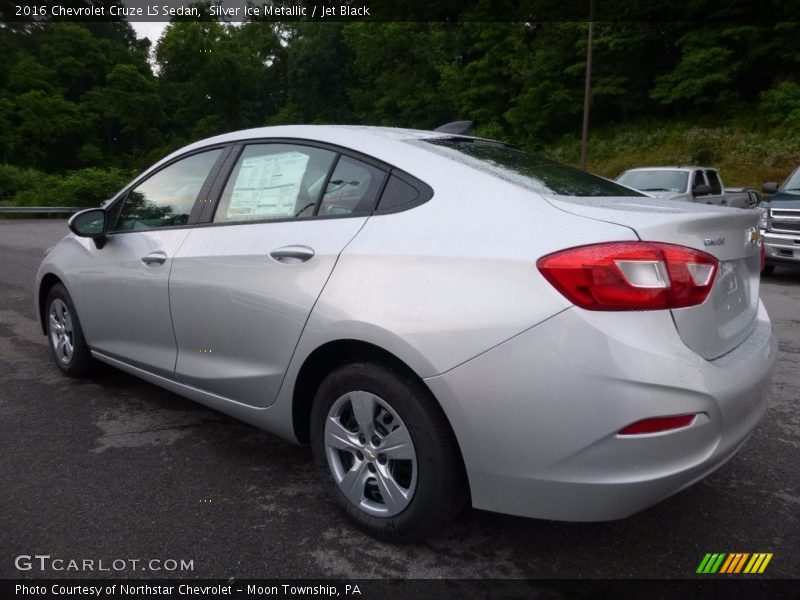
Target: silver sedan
446 320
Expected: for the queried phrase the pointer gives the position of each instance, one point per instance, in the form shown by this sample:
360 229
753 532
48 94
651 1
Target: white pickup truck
691 184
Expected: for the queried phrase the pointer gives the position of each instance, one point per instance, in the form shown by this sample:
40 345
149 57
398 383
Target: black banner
705 11
390 589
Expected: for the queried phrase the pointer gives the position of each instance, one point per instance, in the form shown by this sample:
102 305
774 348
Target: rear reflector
658 424
631 275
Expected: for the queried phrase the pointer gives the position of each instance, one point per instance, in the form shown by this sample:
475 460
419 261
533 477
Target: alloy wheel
61 331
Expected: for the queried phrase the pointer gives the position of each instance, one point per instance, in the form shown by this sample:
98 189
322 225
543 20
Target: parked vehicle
780 223
691 184
742 197
446 320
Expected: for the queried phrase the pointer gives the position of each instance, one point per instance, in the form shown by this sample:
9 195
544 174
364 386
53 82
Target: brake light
657 424
631 275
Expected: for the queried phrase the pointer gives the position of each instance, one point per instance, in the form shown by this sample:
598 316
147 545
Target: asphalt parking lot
114 468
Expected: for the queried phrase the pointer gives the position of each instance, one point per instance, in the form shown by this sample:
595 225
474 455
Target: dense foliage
76 98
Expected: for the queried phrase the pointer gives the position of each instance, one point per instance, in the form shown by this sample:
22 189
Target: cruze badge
753 236
720 241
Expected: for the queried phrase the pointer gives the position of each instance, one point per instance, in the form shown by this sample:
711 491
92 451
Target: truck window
698 179
714 182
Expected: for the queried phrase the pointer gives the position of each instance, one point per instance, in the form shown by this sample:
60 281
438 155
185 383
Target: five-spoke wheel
64 332
61 331
385 451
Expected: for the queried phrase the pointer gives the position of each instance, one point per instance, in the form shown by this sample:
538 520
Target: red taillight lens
631 275
763 256
658 424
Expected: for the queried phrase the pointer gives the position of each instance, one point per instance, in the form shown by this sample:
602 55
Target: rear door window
275 182
352 189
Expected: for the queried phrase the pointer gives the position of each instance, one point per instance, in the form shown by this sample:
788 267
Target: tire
401 492
768 270
65 335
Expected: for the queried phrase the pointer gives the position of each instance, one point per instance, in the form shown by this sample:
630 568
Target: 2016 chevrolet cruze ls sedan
445 319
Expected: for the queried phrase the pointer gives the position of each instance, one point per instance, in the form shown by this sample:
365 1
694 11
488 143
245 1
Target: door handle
290 255
155 258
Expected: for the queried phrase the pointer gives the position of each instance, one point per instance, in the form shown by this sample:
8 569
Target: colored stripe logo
734 562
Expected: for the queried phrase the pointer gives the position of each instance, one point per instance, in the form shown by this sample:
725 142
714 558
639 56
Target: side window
713 181
399 194
274 181
353 188
166 198
698 179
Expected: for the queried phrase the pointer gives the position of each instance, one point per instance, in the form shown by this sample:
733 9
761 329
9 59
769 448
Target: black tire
768 270
441 490
80 362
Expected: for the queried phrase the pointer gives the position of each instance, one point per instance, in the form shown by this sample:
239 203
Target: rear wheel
768 270
385 452
65 334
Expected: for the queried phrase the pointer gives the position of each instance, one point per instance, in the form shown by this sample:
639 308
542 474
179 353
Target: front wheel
385 451
65 335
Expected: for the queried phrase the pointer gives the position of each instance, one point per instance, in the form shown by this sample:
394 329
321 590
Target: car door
243 286
124 291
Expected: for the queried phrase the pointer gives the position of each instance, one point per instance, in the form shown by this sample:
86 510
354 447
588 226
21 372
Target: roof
346 135
389 144
680 168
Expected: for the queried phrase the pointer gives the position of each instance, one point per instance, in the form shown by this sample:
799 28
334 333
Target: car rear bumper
537 416
782 249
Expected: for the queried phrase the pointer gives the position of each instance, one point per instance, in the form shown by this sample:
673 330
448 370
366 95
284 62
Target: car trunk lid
728 315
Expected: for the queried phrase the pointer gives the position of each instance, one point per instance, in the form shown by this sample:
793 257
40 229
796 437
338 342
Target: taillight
657 424
631 275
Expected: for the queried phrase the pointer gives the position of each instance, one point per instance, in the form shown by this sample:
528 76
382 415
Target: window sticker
267 186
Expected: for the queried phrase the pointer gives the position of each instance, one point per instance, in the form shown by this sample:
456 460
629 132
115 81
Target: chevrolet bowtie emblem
753 236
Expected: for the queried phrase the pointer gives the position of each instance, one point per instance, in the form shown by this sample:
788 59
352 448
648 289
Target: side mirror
770 187
90 223
701 190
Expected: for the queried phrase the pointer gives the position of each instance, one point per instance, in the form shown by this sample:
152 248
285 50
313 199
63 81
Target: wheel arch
332 355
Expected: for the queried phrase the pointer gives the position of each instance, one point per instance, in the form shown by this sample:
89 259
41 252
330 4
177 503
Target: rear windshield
542 175
655 181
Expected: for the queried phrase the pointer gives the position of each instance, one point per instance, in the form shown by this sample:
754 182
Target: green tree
395 73
128 109
50 131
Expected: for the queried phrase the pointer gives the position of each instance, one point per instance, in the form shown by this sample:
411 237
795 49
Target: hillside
746 157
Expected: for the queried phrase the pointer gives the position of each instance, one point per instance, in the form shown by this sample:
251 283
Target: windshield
655 181
793 183
542 175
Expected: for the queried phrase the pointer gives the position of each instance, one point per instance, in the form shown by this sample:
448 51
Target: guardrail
41 210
